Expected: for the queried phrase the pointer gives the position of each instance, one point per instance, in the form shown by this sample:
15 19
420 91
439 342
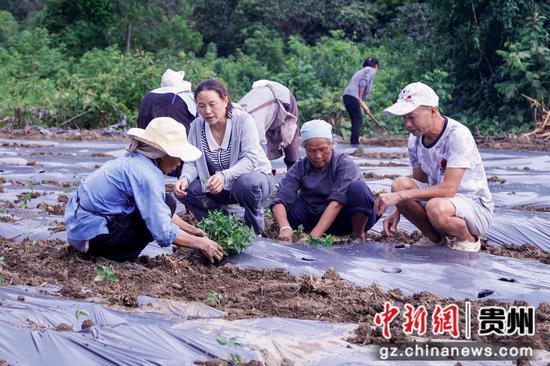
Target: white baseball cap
411 97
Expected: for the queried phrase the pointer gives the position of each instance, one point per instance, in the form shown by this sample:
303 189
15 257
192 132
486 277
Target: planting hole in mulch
245 293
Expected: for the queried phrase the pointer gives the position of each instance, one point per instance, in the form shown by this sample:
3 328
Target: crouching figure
448 192
323 192
123 206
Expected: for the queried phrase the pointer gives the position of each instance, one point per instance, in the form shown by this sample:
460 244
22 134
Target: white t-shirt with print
455 148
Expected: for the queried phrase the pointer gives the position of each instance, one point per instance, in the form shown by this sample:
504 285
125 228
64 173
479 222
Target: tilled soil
245 293
524 251
374 176
384 164
525 143
531 208
360 153
64 135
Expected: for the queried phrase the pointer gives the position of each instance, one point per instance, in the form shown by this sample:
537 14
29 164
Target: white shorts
478 218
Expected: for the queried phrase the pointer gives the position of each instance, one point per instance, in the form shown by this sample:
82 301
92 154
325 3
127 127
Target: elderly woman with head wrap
324 191
123 206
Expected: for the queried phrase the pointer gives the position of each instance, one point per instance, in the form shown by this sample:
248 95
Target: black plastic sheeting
525 175
28 337
159 334
442 271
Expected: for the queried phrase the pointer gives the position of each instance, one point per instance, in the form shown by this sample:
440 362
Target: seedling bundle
228 231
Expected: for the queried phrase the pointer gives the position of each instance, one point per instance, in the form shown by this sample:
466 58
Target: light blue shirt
119 187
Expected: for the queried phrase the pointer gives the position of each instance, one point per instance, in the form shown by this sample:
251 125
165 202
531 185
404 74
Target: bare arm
186 226
445 189
361 100
327 218
285 231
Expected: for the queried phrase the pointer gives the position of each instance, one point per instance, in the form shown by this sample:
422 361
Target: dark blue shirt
316 188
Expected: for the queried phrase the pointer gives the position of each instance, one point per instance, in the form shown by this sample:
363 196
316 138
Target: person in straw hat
123 206
324 191
173 99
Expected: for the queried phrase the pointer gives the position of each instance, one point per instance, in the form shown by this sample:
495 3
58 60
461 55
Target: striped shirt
217 157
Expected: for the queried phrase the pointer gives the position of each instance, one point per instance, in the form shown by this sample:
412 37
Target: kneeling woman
324 191
122 206
233 167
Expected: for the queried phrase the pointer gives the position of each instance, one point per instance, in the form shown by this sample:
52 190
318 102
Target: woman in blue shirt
122 206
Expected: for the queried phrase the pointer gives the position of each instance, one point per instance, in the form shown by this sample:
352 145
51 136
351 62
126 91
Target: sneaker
467 246
426 242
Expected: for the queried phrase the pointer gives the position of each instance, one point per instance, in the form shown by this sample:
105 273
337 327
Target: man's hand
365 107
390 223
286 234
303 238
386 200
181 188
215 183
212 250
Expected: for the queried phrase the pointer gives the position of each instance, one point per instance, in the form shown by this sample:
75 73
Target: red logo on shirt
443 163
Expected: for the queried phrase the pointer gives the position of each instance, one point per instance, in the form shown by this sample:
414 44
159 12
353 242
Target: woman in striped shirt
233 167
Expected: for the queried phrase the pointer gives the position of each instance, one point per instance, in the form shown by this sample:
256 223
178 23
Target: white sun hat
411 97
172 78
168 135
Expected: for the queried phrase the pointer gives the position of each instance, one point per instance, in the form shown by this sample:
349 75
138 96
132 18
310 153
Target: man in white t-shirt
448 192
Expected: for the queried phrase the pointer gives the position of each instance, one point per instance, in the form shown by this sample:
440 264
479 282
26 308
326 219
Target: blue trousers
360 199
250 191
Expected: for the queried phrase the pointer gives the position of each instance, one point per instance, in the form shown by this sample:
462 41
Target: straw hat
168 135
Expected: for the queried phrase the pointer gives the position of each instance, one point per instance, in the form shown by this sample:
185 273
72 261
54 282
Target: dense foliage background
89 62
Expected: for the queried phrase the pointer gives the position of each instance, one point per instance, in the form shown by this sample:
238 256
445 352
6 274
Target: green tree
526 68
468 36
8 26
81 24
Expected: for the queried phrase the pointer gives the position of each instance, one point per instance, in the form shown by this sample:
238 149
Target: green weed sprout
213 299
105 273
228 231
79 312
2 264
27 196
231 343
325 240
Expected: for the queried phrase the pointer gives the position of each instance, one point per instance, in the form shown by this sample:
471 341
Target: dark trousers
127 236
354 110
292 151
249 191
360 199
